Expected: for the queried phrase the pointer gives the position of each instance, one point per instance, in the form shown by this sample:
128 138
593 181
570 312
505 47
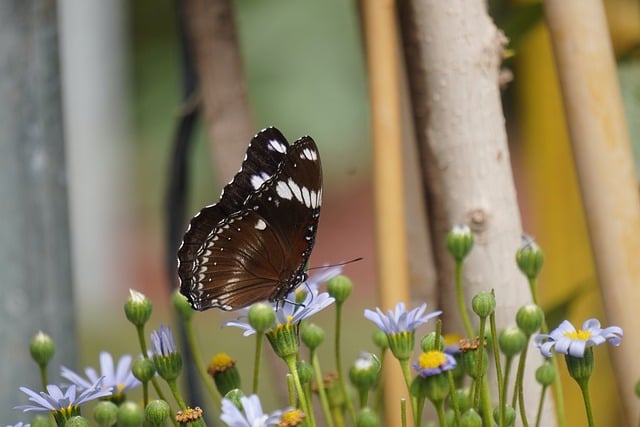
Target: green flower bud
138 308
168 367
512 341
470 419
284 340
143 369
509 415
428 342
463 399
365 370
261 316
459 242
380 339
529 318
367 418
130 415
483 304
434 387
181 306
234 396
529 258
77 421
580 368
469 362
157 412
224 372
546 374
312 335
106 413
340 288
305 372
42 349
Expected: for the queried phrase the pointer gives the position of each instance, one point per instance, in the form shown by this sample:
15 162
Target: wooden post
35 264
604 161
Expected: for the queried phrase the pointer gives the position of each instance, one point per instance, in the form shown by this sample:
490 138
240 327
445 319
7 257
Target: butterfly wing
258 252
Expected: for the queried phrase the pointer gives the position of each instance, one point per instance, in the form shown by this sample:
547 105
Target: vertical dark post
35 264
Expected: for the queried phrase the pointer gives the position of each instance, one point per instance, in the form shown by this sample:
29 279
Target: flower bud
143 369
483 304
512 341
470 419
340 288
181 306
130 415
106 413
428 342
234 396
459 242
138 308
312 335
305 372
529 258
261 316
380 339
365 370
529 318
546 374
462 399
434 387
77 421
509 415
367 418
224 372
42 348
157 412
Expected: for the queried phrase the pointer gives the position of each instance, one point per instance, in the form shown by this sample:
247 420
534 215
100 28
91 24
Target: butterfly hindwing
238 252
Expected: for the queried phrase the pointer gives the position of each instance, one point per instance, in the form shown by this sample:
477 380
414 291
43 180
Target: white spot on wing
260 225
274 144
283 190
309 154
258 180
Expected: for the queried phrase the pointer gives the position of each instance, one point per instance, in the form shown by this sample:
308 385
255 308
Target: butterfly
254 243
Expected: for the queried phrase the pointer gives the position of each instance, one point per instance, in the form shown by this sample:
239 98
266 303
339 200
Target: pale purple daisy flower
251 414
434 362
118 380
20 424
162 341
64 404
400 320
566 339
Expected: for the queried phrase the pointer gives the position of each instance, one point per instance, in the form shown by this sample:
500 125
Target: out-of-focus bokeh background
304 64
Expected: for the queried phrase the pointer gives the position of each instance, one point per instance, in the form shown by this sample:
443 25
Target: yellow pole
604 160
381 42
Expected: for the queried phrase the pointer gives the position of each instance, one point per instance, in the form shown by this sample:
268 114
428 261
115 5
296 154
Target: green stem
419 408
519 384
145 393
321 391
479 366
197 358
343 385
557 384
176 394
404 365
256 362
454 401
540 405
496 358
462 306
43 375
291 364
403 412
440 410
584 388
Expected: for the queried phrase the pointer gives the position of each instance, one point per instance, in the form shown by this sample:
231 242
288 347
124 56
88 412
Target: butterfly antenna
336 265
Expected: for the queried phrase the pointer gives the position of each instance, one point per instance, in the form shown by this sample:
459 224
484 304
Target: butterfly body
254 243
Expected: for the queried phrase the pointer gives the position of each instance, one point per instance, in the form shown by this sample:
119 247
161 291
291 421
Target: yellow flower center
291 418
578 335
431 359
221 362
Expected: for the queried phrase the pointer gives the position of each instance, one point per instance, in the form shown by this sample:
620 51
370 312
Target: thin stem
197 358
343 385
43 375
496 358
480 365
403 412
442 421
462 306
454 401
176 394
256 362
321 391
519 384
540 405
584 387
419 408
404 365
291 364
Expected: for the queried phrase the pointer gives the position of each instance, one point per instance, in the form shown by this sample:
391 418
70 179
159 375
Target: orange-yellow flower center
291 418
578 335
221 362
432 359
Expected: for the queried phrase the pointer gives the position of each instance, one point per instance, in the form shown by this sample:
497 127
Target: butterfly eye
254 243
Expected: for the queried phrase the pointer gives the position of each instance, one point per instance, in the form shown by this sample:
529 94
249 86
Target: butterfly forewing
254 243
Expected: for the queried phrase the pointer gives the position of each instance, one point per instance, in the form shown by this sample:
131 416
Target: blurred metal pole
35 265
